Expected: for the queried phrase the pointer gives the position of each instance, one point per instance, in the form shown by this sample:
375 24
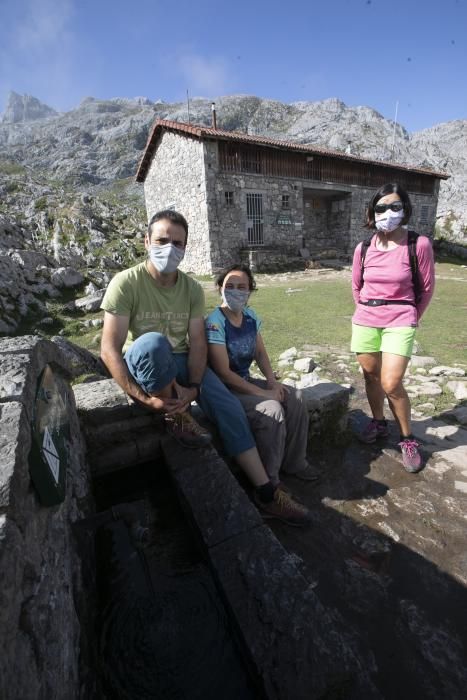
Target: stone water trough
102 509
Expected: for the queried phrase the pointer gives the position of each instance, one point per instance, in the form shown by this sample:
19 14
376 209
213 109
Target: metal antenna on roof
394 131
188 106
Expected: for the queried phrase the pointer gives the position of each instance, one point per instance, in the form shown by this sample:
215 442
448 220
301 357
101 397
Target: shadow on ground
377 553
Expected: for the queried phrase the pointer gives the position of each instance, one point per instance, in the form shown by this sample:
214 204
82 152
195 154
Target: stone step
118 432
297 646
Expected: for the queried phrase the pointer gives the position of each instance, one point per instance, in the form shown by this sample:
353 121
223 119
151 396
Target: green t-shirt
133 293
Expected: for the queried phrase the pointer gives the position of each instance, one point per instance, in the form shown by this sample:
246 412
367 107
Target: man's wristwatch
195 385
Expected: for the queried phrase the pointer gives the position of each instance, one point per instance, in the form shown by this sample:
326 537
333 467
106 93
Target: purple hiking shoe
411 458
375 430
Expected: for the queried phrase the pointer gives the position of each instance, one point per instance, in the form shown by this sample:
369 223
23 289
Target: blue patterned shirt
239 342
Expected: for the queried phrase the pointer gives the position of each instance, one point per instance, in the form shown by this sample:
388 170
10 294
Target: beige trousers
280 430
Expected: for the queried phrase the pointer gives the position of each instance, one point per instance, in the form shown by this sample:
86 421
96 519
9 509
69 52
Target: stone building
269 202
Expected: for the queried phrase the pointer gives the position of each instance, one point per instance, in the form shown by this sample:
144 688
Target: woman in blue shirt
276 413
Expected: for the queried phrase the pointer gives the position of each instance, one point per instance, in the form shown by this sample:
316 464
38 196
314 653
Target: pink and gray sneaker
411 458
375 430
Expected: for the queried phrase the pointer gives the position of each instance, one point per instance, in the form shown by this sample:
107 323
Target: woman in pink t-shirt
388 309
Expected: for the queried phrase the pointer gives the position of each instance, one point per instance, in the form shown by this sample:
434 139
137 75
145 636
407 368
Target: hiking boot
411 458
308 473
186 431
283 507
375 430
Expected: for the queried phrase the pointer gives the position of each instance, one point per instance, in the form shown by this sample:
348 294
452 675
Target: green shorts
398 340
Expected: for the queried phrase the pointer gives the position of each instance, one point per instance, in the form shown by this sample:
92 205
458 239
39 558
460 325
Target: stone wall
325 218
176 179
326 222
40 633
282 228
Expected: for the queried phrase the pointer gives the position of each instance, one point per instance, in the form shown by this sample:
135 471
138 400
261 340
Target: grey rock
102 401
90 303
421 361
66 277
80 360
304 364
284 363
41 580
10 428
443 431
25 108
458 388
324 394
459 413
226 511
309 380
444 370
425 389
289 354
437 645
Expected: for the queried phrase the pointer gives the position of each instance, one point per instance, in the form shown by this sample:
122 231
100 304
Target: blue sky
364 52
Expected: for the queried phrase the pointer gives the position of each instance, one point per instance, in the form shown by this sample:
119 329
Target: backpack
412 243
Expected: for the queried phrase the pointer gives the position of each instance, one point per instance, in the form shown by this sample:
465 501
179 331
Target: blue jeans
153 365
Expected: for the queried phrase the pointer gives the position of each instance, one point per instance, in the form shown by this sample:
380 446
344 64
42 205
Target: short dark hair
390 188
239 267
174 216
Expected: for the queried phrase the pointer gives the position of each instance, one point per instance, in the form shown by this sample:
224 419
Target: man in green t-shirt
155 313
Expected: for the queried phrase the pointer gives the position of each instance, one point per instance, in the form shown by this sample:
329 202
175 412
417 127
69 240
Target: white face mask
389 221
235 299
166 258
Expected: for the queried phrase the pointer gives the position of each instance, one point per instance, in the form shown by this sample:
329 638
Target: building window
285 201
254 215
424 211
229 199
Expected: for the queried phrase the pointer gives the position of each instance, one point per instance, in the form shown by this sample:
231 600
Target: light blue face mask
235 299
166 258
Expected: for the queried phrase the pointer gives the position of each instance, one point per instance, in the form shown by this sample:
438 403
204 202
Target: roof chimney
214 118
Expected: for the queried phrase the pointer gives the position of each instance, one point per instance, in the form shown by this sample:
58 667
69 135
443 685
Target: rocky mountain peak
97 145
25 108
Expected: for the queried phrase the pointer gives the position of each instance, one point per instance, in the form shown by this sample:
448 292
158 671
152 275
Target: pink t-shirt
387 275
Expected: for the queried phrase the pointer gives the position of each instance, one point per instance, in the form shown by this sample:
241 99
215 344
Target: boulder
90 303
421 361
305 365
66 277
458 388
289 354
445 371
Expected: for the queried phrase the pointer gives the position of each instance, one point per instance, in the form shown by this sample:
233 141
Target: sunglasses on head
394 206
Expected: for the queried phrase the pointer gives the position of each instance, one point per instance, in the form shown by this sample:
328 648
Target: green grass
320 314
443 330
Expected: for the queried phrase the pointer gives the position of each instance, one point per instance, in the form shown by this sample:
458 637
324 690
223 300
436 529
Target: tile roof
205 132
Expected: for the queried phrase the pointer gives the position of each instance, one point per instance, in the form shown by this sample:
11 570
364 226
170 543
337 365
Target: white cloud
45 26
37 57
204 75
